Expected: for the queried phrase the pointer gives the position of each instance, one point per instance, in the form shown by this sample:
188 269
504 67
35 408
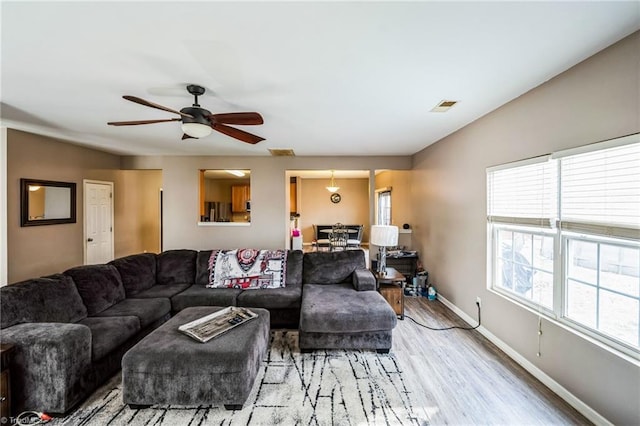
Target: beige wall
40 250
316 206
137 211
270 222
593 101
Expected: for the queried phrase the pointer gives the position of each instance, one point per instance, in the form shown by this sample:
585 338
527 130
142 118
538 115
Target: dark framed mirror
46 202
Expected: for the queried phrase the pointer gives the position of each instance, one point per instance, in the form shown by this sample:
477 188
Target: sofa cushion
176 267
148 311
100 286
53 299
294 268
108 333
331 267
202 267
198 295
342 309
167 291
138 272
272 298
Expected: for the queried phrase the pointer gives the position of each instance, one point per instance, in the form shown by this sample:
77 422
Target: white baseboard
556 387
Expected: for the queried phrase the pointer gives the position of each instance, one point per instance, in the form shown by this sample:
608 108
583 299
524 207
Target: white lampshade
384 235
196 130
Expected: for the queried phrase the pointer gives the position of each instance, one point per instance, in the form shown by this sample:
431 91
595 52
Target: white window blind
600 191
525 194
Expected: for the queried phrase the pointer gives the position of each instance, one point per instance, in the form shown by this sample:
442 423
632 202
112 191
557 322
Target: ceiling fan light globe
196 130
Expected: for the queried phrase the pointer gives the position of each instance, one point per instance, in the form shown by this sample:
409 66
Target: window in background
383 212
564 236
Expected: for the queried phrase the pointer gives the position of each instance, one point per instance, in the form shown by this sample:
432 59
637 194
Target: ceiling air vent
282 152
444 106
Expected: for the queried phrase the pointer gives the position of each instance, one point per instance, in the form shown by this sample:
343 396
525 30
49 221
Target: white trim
610 143
385 189
224 224
572 327
556 387
520 163
84 217
4 250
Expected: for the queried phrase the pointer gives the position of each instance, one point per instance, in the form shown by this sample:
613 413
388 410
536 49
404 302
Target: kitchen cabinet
240 194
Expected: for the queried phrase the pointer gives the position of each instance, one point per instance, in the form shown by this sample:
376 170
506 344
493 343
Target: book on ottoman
217 323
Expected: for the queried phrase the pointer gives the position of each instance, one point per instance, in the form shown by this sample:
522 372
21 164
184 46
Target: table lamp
383 236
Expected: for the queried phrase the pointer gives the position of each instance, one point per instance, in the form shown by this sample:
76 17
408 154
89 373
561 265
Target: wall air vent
282 152
444 106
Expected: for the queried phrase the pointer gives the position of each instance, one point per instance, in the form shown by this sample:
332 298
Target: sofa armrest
363 280
49 365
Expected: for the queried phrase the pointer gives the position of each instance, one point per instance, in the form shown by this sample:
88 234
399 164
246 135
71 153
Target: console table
406 264
391 287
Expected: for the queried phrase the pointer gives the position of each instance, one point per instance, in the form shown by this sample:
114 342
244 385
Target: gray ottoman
169 367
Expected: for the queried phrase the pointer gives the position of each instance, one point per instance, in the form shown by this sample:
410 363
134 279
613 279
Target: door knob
90 239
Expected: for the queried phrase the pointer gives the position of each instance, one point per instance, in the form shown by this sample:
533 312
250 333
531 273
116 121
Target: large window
564 238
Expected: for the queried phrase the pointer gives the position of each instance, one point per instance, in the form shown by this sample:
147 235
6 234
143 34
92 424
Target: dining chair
354 239
323 233
338 238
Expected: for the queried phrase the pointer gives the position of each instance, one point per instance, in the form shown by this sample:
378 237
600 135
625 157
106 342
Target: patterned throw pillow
247 268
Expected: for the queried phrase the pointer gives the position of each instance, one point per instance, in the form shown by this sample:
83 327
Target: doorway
98 222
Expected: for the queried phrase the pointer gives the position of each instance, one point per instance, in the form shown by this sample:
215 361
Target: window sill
628 355
224 224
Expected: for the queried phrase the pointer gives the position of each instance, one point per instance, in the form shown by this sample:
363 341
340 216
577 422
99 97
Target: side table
391 287
406 264
5 380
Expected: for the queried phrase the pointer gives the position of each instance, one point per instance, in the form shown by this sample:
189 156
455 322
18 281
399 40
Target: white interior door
98 222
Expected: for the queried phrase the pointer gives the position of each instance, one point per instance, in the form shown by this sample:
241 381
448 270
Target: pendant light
332 184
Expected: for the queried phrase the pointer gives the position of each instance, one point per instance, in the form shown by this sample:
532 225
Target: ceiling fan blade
134 123
246 118
186 136
237 133
152 105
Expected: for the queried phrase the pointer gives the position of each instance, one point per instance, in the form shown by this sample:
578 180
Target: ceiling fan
198 122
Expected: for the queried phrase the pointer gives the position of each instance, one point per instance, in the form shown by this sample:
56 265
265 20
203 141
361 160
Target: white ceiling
329 78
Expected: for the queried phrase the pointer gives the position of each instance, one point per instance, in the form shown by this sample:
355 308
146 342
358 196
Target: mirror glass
47 202
225 196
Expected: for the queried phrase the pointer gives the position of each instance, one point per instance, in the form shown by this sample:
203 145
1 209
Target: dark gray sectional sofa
71 330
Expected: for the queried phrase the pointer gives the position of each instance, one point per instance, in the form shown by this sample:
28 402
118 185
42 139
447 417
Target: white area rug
319 388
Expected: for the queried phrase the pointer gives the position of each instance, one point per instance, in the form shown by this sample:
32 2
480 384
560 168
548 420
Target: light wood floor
461 378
